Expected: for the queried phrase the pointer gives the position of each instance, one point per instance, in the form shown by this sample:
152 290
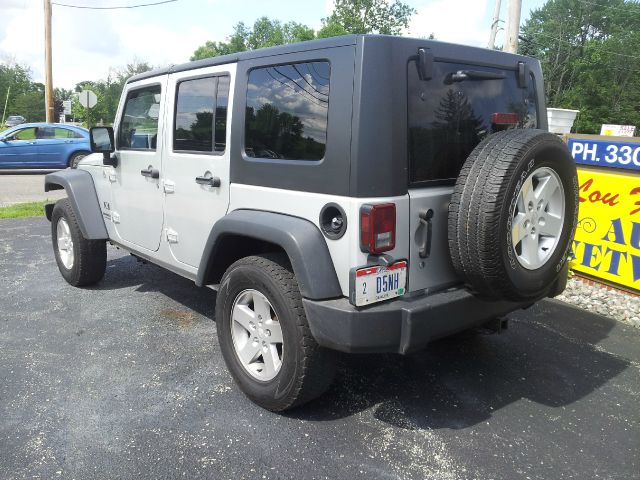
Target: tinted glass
194 115
196 103
531 118
139 125
222 102
448 119
287 107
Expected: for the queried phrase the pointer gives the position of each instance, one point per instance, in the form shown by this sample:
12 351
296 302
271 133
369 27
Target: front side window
139 125
201 115
287 110
24 134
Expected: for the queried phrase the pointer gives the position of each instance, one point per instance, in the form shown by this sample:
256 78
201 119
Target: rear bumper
403 325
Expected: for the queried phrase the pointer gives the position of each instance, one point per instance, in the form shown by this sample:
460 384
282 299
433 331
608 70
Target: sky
87 43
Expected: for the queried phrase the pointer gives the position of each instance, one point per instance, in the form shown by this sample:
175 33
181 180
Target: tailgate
429 262
449 113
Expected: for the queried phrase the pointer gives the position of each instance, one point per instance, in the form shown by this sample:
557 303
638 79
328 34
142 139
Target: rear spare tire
513 214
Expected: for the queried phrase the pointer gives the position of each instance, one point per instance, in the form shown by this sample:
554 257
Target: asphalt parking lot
126 380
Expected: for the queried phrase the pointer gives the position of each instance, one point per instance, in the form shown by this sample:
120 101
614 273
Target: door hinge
115 217
169 186
172 236
111 175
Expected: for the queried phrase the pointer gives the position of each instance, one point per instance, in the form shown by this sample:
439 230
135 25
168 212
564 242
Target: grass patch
20 210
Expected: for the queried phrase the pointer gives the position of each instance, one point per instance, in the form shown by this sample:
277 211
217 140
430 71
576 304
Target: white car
356 194
14 120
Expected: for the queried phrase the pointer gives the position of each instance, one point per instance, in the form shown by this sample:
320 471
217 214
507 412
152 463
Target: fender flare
301 240
83 198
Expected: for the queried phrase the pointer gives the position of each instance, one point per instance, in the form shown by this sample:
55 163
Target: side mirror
101 139
3 139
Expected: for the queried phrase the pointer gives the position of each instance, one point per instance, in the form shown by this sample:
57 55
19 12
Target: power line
114 8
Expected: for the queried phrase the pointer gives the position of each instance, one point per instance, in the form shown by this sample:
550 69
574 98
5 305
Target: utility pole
48 82
513 25
494 25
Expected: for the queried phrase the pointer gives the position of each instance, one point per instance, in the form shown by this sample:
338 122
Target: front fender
299 238
83 198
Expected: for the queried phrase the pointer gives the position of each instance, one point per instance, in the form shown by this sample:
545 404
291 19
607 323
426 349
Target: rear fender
300 239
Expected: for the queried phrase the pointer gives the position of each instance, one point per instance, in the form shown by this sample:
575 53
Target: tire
83 262
306 369
499 196
75 158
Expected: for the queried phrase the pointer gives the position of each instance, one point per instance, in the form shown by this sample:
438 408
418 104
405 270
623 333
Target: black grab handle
425 221
150 172
210 181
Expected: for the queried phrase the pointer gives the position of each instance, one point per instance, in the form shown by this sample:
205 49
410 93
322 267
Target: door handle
150 172
424 249
209 181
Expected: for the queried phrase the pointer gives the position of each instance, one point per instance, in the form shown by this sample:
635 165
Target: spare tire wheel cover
529 188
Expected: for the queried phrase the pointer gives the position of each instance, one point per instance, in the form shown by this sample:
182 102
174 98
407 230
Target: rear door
55 145
448 115
196 170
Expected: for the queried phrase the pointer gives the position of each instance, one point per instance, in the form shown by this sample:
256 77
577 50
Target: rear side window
448 118
139 125
201 115
57 133
287 108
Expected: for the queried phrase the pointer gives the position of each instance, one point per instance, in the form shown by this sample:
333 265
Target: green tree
265 33
30 103
17 89
367 16
108 92
589 56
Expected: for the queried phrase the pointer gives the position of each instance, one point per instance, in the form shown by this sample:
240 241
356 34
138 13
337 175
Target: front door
196 172
19 148
136 208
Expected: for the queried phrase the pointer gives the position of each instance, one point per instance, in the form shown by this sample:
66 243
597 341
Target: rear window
447 119
287 108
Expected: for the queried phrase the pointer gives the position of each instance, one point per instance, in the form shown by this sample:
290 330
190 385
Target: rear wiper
462 75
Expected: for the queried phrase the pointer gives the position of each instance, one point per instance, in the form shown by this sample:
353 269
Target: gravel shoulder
596 298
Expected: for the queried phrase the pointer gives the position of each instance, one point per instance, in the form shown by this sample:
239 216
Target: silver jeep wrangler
355 194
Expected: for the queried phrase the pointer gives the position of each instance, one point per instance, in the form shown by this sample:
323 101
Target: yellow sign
607 241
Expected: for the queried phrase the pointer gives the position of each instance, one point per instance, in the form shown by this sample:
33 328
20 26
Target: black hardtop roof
261 52
491 56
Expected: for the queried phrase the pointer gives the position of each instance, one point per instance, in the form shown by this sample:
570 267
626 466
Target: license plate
375 284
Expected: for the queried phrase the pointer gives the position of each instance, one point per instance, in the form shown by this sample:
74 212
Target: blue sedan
43 145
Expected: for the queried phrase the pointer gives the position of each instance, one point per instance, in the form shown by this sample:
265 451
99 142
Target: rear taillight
504 119
378 227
